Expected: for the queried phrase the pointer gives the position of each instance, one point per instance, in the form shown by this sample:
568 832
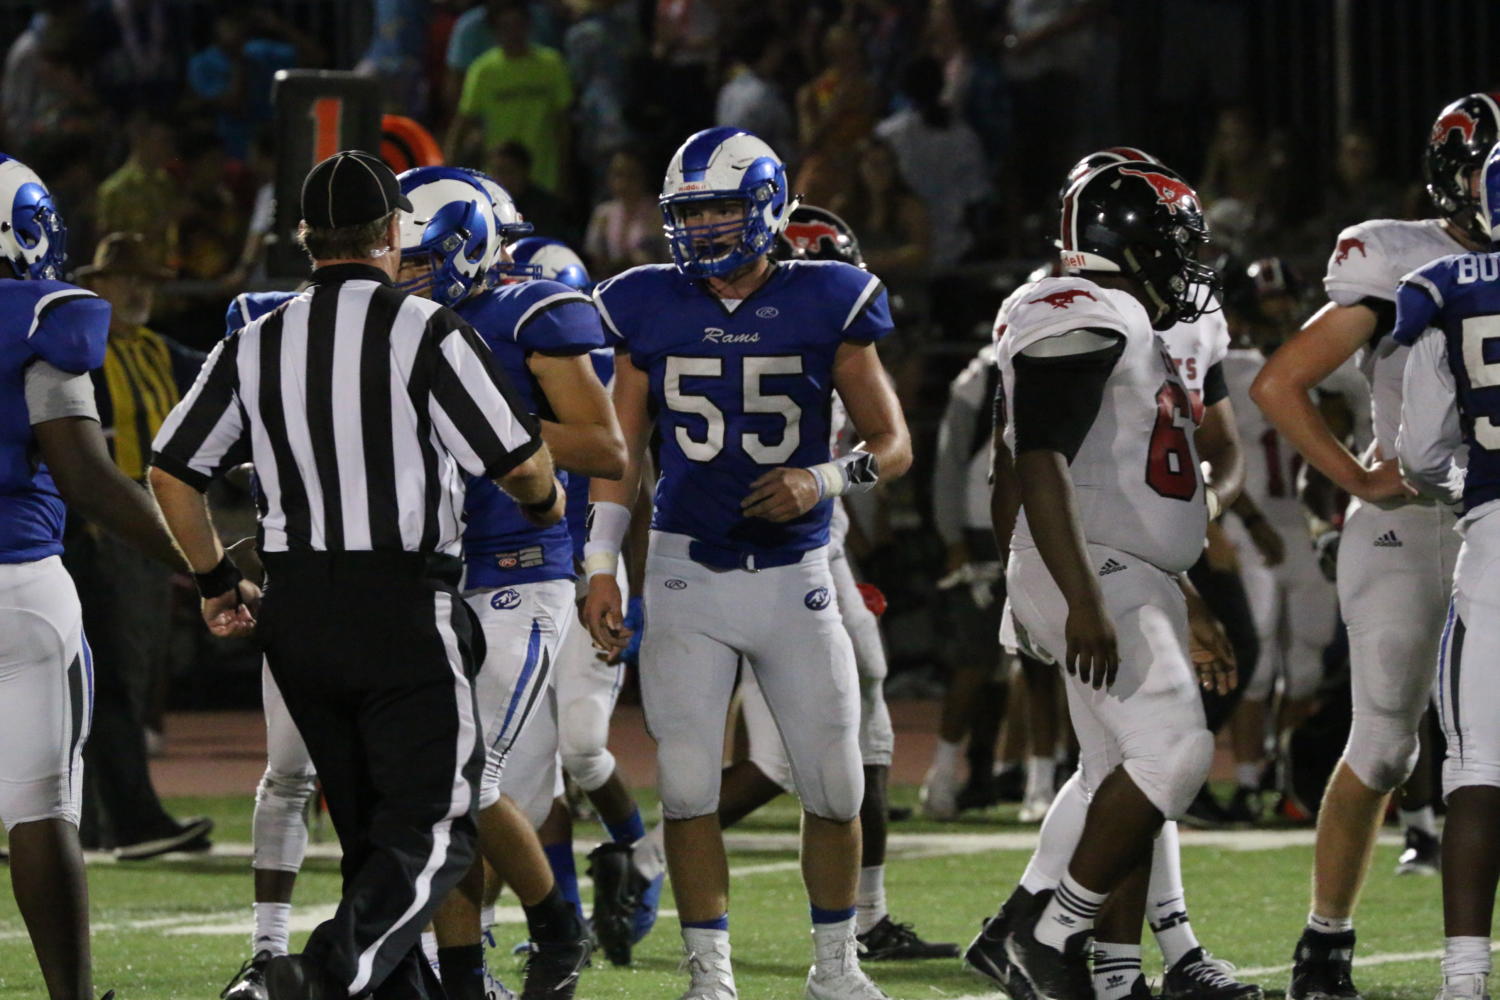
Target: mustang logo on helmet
1347 244
807 235
1461 121
1170 191
1061 300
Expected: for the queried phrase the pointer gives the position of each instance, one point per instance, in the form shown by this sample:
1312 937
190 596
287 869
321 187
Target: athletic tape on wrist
855 472
607 525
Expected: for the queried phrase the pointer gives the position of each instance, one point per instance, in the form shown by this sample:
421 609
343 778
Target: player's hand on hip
781 495
603 616
231 615
1268 542
1093 654
1382 482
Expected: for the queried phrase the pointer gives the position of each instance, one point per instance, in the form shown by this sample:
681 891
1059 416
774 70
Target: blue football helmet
33 239
451 223
510 226
714 165
555 260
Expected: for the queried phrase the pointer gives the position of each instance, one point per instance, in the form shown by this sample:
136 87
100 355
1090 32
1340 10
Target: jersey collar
348 272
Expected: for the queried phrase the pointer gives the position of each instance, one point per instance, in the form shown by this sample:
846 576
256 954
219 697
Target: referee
363 409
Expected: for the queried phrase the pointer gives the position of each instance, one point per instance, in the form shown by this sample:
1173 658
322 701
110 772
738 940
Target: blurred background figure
626 229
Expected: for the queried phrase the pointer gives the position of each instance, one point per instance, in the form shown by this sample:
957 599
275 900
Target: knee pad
278 831
591 768
688 779
1382 750
1171 771
835 788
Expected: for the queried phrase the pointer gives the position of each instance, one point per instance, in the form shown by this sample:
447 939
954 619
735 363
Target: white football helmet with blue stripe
554 259
33 239
719 164
510 225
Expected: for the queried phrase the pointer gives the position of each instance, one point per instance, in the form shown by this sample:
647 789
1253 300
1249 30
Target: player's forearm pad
855 472
607 524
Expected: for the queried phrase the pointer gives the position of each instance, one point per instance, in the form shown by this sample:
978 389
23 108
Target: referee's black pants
374 653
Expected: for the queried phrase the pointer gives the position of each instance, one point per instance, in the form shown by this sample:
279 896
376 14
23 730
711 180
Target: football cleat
1422 856
1051 974
977 793
939 795
618 892
190 835
1322 967
1471 987
552 970
1140 990
986 953
294 977
1205 812
890 941
250 982
1199 976
836 974
1034 809
711 977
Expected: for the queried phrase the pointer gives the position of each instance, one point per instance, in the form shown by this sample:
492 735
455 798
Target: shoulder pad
1421 294
247 307
1053 306
619 297
65 325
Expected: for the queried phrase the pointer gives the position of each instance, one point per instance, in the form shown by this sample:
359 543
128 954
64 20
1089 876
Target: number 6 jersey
738 389
1135 475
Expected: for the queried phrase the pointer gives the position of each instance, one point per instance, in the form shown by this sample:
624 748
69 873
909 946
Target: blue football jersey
500 546
577 513
68 327
247 307
1460 295
738 392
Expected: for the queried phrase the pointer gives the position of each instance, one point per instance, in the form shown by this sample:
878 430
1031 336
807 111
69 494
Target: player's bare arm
91 483
866 391
1283 391
610 505
230 613
1218 441
1052 513
585 437
1213 656
1005 493
535 489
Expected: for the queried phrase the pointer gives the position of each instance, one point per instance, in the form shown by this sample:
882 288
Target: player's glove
635 620
873 597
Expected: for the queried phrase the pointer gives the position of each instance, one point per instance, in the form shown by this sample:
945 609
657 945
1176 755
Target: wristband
222 579
607 524
855 472
542 506
1215 505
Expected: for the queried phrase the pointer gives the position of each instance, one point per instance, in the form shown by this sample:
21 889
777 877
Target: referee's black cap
350 188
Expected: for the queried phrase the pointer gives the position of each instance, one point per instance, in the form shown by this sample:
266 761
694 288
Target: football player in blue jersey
1448 313
52 451
519 580
734 360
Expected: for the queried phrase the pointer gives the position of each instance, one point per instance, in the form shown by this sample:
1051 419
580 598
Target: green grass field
177 929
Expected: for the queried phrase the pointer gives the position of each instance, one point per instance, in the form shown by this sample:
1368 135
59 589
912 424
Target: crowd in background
940 129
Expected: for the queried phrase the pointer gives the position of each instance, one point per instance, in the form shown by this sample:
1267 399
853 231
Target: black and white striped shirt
364 410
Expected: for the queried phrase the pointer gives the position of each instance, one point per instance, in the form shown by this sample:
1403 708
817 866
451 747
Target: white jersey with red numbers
1135 477
1367 263
1195 348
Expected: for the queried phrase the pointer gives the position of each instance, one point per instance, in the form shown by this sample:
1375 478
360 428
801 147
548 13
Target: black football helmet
1103 158
814 233
1461 138
1145 222
1247 287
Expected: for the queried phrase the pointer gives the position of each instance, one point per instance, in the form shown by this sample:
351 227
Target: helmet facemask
716 249
1181 288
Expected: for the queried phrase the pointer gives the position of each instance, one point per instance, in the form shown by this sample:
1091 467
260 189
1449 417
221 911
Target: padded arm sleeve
1059 387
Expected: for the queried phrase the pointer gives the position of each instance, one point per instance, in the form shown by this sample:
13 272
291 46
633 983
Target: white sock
869 899
650 852
1040 773
1116 968
711 947
429 948
832 944
1071 910
1058 838
1166 904
272 928
945 759
1421 819
1466 956
1329 925
1248 775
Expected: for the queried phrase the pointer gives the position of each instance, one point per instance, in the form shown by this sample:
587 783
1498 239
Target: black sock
553 920
462 971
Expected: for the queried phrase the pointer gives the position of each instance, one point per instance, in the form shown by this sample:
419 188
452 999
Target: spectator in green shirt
516 92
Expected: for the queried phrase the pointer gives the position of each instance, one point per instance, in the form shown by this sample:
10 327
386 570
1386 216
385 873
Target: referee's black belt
401 565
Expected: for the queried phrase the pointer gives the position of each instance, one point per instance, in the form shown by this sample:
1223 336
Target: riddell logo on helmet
1061 300
1169 190
1462 121
1341 254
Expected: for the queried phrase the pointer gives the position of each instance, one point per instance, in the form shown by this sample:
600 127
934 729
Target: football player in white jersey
1113 505
1396 557
1294 604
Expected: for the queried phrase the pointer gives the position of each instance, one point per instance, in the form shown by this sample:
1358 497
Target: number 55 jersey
1135 475
738 388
